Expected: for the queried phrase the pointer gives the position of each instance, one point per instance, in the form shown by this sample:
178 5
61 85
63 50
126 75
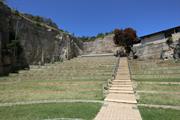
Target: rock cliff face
155 51
100 45
24 42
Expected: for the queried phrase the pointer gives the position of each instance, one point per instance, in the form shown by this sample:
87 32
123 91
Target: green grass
85 111
159 114
158 87
157 71
79 78
159 99
50 90
159 76
140 79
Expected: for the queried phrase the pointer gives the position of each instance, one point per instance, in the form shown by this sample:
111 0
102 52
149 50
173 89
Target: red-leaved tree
125 38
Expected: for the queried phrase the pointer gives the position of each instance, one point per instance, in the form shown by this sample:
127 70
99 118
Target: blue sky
89 17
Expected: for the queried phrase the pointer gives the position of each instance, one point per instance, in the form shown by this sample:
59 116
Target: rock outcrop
100 45
155 51
24 42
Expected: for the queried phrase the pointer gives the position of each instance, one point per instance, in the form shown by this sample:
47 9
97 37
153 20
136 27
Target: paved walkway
120 103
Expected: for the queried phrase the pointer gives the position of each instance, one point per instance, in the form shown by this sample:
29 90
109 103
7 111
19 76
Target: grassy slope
80 78
159 114
85 111
156 71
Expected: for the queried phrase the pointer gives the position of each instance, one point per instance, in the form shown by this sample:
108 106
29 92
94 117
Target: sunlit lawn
77 79
157 72
85 111
159 114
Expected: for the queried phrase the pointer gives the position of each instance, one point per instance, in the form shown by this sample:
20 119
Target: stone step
122 78
121 86
123 73
128 80
121 101
121 91
123 69
119 78
123 66
122 83
118 88
119 75
121 98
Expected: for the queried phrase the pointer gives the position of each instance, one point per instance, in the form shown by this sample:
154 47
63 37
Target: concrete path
120 103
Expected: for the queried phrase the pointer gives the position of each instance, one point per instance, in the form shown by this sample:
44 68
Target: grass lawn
158 87
86 111
140 79
51 90
159 99
159 114
156 77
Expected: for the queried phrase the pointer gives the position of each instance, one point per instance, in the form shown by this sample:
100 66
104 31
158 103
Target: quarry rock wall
100 45
23 43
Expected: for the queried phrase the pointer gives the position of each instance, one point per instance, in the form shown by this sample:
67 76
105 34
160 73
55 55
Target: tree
125 38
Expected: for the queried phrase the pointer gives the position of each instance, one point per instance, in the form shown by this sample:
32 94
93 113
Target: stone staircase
120 103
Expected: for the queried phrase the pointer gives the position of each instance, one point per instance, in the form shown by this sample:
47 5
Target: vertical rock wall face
100 45
23 43
1 68
42 44
4 39
154 51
